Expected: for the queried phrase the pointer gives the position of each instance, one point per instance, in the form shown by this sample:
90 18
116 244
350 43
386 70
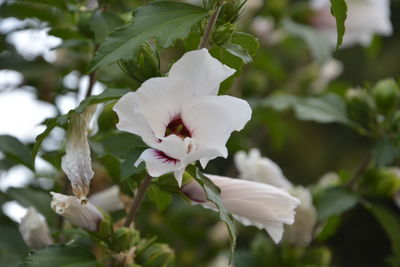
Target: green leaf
102 23
164 21
61 256
50 125
238 51
12 247
317 44
339 11
213 195
391 224
28 197
159 197
335 201
247 41
385 152
15 150
106 95
325 109
128 165
55 3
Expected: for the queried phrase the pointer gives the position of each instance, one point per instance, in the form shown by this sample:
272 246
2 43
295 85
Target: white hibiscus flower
181 117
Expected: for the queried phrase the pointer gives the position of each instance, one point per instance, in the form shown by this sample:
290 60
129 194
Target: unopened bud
381 182
79 212
107 200
155 254
386 93
145 65
224 33
124 238
360 106
34 230
105 228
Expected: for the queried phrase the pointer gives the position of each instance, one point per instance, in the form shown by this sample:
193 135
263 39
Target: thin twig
92 81
210 26
137 202
361 168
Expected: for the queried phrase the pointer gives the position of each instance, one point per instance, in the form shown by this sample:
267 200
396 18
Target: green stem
210 26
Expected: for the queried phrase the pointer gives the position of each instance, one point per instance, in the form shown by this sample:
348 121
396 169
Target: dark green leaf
61 256
103 23
34 198
128 165
12 247
164 21
159 197
106 95
15 150
391 224
335 201
385 152
213 195
31 10
317 44
339 11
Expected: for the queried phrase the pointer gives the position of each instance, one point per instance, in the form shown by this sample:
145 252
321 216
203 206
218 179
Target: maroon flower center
165 158
177 127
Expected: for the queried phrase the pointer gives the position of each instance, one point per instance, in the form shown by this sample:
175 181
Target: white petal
261 205
260 169
76 163
107 200
34 230
301 232
148 111
212 119
202 71
157 164
80 213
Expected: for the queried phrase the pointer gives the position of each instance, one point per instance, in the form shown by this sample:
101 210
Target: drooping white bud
76 163
261 205
253 167
79 212
301 232
107 200
34 230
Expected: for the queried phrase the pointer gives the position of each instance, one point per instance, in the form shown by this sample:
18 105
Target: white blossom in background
254 167
329 71
34 230
107 200
221 261
9 79
80 213
329 179
264 29
77 163
181 117
260 205
301 232
364 19
32 43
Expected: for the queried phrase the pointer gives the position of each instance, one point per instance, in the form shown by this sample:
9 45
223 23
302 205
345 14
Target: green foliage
62 256
151 21
316 43
152 254
12 247
213 195
160 198
390 222
335 201
339 11
102 23
15 150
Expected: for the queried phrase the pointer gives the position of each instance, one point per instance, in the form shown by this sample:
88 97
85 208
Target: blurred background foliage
287 126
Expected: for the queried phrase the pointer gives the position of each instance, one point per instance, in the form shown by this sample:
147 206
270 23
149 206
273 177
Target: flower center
166 159
177 127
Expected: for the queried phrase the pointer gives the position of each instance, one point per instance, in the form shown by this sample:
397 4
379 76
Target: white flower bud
301 232
329 71
76 163
107 200
79 212
34 230
260 169
261 205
